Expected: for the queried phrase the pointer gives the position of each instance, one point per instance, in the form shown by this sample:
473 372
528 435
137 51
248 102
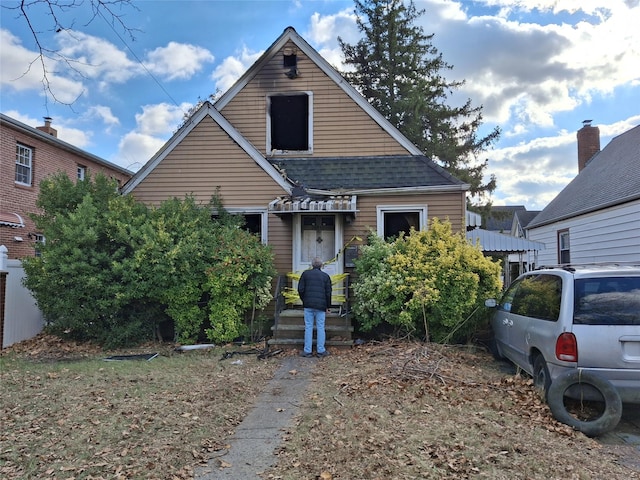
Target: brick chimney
588 143
47 128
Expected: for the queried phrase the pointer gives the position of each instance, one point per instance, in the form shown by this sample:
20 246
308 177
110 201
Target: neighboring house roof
55 141
358 174
498 242
500 217
525 217
611 177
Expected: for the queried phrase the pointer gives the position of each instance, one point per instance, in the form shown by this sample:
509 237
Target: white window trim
30 166
264 219
81 172
382 209
310 126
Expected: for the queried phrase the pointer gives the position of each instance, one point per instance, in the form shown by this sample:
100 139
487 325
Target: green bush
112 270
430 283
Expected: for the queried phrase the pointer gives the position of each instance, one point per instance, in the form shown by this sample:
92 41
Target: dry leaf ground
410 411
380 411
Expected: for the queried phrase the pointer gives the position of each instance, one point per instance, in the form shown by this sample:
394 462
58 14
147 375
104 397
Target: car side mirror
490 302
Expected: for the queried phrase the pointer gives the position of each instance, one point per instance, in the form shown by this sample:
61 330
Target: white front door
317 235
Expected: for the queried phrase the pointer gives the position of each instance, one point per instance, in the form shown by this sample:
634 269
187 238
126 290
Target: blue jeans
311 314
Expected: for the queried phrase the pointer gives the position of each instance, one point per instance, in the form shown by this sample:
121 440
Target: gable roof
290 35
611 177
359 174
207 110
500 217
413 171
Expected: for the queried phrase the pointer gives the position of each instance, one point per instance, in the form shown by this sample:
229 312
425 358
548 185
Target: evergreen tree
399 71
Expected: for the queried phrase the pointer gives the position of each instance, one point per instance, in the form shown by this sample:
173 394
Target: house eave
393 191
585 211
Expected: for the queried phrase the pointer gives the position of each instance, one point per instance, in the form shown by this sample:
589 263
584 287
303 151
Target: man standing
314 288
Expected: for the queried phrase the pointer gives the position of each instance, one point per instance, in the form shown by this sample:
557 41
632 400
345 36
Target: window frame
269 148
22 165
264 219
562 234
381 210
81 172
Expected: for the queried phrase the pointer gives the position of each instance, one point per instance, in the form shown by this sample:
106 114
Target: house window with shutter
563 247
290 123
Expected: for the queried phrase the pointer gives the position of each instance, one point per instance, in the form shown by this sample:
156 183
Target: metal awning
499 242
12 220
334 204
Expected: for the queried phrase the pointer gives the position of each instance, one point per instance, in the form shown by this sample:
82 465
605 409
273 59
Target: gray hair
316 263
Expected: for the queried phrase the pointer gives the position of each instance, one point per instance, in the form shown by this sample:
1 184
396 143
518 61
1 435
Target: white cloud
160 119
178 60
22 70
232 68
103 113
154 126
135 149
526 73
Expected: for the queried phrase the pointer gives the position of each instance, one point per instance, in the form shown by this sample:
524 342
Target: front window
392 220
290 123
563 247
81 172
24 164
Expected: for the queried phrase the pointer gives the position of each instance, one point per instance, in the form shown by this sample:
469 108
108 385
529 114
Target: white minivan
576 330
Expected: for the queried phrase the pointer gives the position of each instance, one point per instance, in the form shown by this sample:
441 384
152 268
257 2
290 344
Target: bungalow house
309 163
596 217
28 156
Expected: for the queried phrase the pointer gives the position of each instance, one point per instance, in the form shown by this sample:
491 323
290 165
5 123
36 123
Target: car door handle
507 322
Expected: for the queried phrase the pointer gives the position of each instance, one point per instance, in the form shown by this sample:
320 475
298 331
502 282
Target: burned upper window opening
289 60
290 122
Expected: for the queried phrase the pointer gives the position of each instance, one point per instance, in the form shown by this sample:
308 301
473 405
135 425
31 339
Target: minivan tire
541 376
592 428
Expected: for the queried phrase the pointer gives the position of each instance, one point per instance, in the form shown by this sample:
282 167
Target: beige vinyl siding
340 126
207 158
441 205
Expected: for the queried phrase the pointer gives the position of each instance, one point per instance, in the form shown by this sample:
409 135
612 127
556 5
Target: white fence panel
22 318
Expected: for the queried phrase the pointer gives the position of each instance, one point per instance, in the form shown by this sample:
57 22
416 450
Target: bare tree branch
55 12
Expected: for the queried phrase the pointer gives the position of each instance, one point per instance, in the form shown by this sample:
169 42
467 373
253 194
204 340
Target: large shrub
431 283
112 270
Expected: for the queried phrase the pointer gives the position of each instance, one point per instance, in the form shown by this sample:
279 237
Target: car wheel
492 345
541 377
589 417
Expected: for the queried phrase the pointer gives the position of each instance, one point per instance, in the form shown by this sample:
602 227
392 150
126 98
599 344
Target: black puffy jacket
314 288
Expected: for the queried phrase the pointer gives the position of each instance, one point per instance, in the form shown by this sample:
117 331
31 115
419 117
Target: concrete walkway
260 433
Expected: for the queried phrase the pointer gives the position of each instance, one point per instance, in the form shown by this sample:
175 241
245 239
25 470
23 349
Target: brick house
29 155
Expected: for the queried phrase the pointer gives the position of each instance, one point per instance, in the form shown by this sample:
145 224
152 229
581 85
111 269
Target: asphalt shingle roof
351 173
611 177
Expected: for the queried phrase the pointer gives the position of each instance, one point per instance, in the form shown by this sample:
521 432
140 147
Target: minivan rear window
607 301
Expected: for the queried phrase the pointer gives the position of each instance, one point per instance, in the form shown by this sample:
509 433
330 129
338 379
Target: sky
538 68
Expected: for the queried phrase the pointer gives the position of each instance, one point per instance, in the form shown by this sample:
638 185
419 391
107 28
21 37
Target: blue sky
538 68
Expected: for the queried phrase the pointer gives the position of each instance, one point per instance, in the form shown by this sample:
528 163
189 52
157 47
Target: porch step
289 331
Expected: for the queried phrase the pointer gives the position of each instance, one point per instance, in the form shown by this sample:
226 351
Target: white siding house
596 218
